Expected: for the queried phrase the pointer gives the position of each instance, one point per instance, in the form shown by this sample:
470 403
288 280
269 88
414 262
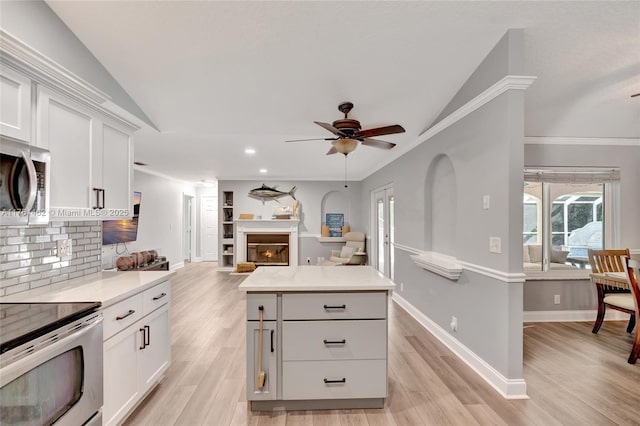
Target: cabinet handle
272 349
147 336
97 191
102 191
160 297
121 317
327 307
144 343
343 380
334 342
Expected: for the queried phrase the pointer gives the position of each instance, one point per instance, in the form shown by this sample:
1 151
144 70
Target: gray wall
486 151
311 195
35 24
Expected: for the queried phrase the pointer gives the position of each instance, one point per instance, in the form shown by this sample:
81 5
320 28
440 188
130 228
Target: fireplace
262 228
268 249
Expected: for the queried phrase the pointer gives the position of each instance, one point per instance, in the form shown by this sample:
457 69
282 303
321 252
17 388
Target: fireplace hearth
268 249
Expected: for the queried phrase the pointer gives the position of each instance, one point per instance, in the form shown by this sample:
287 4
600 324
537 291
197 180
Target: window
565 213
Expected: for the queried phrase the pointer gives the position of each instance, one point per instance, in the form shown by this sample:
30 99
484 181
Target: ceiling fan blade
333 150
378 144
330 128
635 94
312 139
379 131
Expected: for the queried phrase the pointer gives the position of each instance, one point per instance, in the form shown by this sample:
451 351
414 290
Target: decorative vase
324 231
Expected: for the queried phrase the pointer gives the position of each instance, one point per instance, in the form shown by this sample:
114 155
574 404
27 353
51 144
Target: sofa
532 258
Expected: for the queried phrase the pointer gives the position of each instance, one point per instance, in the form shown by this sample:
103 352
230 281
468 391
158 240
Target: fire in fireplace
268 249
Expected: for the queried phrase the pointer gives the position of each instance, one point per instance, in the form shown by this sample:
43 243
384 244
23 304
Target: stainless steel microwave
24 183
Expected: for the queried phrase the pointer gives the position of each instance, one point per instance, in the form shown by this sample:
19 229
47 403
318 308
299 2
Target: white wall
160 224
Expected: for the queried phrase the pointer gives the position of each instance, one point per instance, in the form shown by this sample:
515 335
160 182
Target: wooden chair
631 268
610 296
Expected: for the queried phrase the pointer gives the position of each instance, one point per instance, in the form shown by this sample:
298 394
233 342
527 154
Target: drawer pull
160 297
334 342
121 317
327 307
272 348
329 381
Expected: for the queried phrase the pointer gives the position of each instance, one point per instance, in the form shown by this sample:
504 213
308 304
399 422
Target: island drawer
267 300
155 297
334 379
363 305
329 340
121 315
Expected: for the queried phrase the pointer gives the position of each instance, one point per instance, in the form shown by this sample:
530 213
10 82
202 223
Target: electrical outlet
454 324
556 299
308 261
64 247
494 245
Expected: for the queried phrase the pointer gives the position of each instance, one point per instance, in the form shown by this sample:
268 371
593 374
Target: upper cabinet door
115 160
66 129
15 105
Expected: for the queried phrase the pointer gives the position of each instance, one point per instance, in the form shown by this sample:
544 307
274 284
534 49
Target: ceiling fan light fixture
345 145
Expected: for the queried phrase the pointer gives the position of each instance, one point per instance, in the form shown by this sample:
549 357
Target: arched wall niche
441 206
335 202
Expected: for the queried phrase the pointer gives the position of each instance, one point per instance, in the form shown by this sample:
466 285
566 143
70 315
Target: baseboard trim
178 265
572 316
197 259
508 388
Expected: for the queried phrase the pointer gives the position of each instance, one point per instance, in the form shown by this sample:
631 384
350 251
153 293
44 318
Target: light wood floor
573 376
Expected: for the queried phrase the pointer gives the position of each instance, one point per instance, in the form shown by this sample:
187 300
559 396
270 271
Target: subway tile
59 278
9 265
41 268
41 239
83 241
59 237
58 265
39 283
76 235
83 229
31 231
9 249
9 282
17 272
56 224
30 277
16 289
96 240
50 259
96 228
19 256
52 231
8 232
30 262
90 234
92 247
51 273
17 240
76 274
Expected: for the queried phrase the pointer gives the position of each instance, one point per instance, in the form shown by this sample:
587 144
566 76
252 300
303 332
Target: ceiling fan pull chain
345 171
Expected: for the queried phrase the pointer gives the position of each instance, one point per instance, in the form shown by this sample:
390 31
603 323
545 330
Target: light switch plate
486 202
64 248
494 245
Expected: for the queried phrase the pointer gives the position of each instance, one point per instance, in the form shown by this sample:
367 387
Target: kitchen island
316 337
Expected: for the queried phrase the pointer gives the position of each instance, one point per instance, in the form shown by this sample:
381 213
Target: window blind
571 175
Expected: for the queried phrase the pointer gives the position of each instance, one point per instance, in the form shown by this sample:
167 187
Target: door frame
188 218
373 227
202 227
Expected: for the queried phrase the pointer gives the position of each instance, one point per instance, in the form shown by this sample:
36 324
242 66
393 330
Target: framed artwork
335 221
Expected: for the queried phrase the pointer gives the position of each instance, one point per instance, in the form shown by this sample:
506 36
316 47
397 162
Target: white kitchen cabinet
15 105
91 159
327 350
137 350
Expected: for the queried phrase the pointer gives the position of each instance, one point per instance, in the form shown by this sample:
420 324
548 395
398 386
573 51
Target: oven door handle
37 357
14 183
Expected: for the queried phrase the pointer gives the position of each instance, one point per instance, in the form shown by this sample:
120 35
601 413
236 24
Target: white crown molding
508 388
509 82
562 140
572 316
37 66
507 277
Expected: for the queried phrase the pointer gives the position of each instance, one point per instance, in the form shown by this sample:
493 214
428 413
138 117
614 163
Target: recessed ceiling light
250 151
263 170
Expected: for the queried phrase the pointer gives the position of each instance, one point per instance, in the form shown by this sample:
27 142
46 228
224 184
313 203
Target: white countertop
108 287
316 278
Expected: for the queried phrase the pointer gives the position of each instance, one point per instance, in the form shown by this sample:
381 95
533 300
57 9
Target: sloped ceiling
218 77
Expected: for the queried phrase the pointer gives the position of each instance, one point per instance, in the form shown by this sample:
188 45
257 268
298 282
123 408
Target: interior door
383 212
209 223
187 204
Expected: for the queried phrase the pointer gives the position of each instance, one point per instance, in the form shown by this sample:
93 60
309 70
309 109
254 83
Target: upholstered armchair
352 253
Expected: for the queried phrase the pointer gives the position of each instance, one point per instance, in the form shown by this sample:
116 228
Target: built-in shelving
227 252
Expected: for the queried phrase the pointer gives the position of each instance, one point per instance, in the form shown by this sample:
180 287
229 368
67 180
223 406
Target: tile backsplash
28 255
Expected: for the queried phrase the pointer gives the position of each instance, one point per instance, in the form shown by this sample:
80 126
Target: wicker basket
245 267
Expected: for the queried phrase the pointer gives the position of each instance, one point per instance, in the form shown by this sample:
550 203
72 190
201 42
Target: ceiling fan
348 133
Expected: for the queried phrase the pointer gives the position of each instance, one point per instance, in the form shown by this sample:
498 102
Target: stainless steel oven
51 364
24 183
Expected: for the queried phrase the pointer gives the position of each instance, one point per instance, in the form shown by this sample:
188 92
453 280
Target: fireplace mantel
265 226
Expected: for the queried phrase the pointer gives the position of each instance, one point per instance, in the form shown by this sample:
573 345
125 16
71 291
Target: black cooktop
22 322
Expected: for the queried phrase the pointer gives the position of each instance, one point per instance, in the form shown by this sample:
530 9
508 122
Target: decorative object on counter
245 267
296 209
125 263
345 229
335 222
270 193
324 231
246 216
144 260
